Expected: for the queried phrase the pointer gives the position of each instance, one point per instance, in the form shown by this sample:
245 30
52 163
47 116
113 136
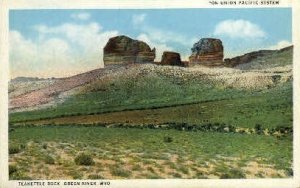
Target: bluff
261 56
171 58
124 50
207 51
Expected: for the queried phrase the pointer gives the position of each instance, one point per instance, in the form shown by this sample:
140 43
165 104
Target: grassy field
158 101
140 92
205 130
55 152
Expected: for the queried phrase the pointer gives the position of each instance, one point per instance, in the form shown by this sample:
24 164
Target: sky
59 43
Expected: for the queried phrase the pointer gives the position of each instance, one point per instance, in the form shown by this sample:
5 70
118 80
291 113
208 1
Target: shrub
233 174
75 174
184 170
49 160
177 175
290 172
12 169
45 146
258 129
117 171
136 167
14 149
153 176
22 146
95 177
150 169
168 139
19 176
84 159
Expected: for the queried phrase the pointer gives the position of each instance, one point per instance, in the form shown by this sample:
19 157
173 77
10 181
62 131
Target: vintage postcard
164 94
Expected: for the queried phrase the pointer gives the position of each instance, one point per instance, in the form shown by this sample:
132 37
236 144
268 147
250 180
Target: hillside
22 85
262 59
142 86
151 121
42 93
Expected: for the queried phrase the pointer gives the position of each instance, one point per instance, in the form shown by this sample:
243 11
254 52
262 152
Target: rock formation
124 50
208 51
248 57
171 58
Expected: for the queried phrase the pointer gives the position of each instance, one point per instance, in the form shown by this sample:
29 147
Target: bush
290 172
19 176
258 129
49 160
12 169
168 139
95 177
117 171
75 174
14 149
233 174
177 175
84 159
22 146
45 146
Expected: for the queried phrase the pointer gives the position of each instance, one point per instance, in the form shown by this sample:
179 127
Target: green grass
269 108
197 145
84 159
155 91
14 148
95 177
232 173
158 100
49 159
119 171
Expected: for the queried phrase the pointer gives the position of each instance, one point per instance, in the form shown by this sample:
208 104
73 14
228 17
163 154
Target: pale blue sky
73 39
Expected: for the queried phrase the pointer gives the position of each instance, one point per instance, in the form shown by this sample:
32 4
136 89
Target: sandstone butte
208 52
171 58
124 50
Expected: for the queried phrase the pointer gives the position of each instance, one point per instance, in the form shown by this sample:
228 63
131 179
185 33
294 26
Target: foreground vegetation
157 126
77 152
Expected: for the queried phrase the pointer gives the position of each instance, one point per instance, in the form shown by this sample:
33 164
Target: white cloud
239 29
159 38
81 16
280 45
167 36
89 36
138 18
69 47
26 58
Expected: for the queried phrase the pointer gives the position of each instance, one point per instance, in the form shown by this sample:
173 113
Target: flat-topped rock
124 50
207 51
171 58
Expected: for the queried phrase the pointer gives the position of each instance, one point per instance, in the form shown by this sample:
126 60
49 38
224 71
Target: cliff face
207 51
124 50
171 58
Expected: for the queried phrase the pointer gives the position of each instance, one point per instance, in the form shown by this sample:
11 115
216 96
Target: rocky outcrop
246 58
207 51
124 50
171 58
249 57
